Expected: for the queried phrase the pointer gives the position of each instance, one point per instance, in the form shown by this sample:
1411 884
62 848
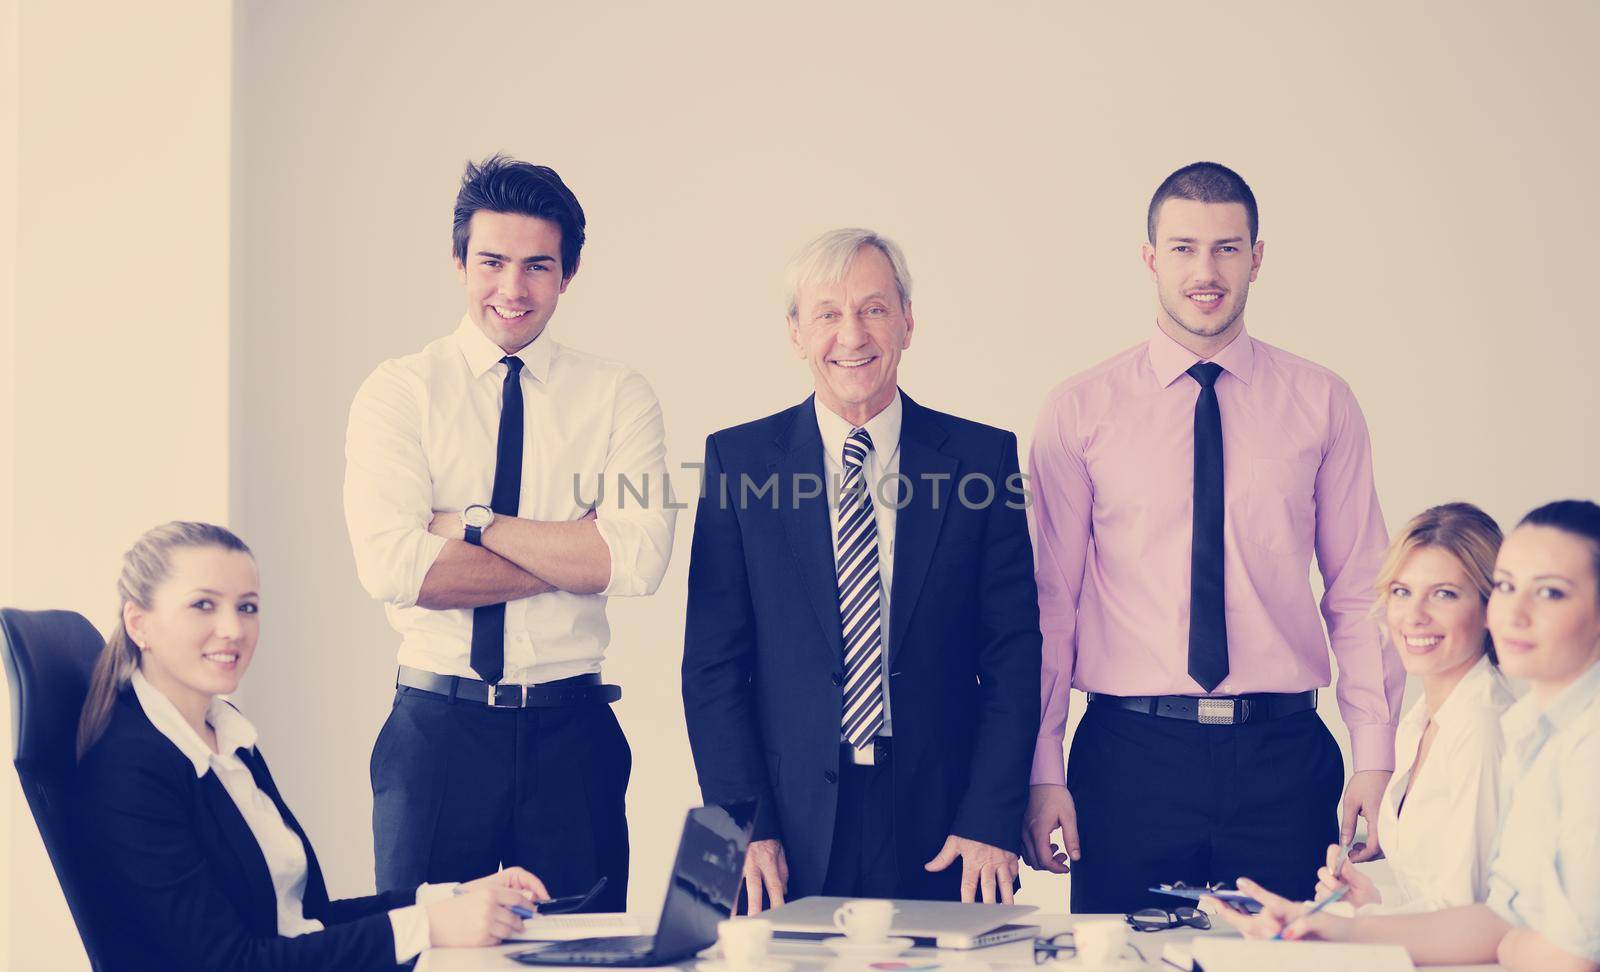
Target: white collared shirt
282 848
422 437
1546 870
880 470
1438 849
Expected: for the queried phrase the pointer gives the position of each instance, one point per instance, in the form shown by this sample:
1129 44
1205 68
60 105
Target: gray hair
827 258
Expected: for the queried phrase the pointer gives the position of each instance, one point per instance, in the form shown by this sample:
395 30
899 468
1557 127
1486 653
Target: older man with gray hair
862 643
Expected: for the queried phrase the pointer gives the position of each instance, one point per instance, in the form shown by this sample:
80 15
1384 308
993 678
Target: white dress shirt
1546 871
880 470
1438 849
282 848
422 437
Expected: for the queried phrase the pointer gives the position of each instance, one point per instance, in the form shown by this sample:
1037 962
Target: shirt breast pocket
1280 511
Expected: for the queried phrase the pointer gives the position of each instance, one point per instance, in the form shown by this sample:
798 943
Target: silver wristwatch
475 519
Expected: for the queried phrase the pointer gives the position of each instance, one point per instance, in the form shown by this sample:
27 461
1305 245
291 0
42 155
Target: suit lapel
807 524
242 843
316 893
918 522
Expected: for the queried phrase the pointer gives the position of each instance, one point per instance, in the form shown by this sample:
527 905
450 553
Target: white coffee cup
1100 941
865 921
744 941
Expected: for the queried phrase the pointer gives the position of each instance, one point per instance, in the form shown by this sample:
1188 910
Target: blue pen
1330 899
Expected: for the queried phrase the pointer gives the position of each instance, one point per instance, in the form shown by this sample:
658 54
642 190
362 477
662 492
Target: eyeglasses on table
1161 919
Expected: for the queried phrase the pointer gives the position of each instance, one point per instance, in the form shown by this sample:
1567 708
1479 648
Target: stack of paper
1239 954
565 928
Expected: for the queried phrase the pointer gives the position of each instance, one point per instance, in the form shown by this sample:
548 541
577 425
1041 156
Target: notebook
565 928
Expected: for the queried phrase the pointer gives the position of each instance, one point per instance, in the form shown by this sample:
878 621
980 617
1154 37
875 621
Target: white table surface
814 958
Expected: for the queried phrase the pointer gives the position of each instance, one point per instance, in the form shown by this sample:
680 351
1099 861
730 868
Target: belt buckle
1217 712
518 699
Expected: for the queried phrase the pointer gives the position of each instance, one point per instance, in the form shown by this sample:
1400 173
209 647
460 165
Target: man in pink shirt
1181 489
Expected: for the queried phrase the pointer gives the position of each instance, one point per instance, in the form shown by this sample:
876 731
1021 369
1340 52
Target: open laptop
703 891
929 924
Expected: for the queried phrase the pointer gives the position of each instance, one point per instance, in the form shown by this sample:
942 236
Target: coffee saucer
768 964
883 948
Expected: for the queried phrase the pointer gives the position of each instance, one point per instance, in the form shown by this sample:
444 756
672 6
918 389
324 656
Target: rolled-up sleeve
388 491
635 516
1350 543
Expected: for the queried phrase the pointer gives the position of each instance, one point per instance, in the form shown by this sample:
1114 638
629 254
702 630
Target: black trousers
1164 800
864 860
460 790
862 863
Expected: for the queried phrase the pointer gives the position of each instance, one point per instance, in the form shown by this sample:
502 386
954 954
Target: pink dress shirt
1112 470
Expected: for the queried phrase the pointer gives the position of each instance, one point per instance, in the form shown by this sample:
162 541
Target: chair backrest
48 657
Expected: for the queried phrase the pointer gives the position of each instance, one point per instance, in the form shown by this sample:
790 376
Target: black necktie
489 621
1208 629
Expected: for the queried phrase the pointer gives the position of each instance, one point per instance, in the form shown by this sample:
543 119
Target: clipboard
1231 897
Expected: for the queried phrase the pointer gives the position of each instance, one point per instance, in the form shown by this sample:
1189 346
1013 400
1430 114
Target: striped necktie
859 587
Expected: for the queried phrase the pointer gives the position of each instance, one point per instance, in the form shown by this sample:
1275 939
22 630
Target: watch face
477 516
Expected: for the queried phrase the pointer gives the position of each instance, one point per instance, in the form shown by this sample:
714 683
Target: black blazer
182 882
763 650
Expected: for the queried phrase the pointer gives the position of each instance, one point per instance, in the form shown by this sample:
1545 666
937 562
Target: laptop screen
706 877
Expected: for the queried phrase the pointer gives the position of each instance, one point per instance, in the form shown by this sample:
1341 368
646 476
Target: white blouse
1547 872
1439 841
280 846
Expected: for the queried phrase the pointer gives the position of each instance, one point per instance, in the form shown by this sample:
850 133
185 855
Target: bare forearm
1464 935
570 555
465 576
1525 950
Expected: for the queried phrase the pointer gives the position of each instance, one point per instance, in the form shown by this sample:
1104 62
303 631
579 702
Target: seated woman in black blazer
198 862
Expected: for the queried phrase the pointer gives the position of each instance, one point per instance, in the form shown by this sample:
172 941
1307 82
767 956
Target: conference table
816 958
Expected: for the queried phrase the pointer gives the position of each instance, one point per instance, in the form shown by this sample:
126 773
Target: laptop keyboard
602 949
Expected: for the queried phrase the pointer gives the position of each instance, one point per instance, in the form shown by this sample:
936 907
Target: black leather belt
577 690
1223 710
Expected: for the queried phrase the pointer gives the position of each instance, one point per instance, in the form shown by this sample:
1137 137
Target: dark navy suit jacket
763 650
181 882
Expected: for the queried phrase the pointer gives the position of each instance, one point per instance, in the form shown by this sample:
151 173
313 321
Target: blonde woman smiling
198 862
1543 907
1441 808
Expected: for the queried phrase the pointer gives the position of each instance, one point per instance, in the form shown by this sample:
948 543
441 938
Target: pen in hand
1344 855
518 910
1330 899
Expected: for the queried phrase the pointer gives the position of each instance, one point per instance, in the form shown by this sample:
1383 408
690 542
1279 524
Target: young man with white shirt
467 464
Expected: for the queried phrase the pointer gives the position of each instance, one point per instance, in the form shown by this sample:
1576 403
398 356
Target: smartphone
571 902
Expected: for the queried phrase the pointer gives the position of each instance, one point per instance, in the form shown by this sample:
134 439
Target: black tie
1208 629
489 621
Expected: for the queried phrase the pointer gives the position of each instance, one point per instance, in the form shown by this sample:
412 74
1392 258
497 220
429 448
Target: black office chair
48 657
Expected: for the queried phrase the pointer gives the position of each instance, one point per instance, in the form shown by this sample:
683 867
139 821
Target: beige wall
1424 183
9 796
120 376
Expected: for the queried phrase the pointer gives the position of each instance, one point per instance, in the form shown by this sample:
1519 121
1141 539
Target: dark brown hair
504 185
1207 182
